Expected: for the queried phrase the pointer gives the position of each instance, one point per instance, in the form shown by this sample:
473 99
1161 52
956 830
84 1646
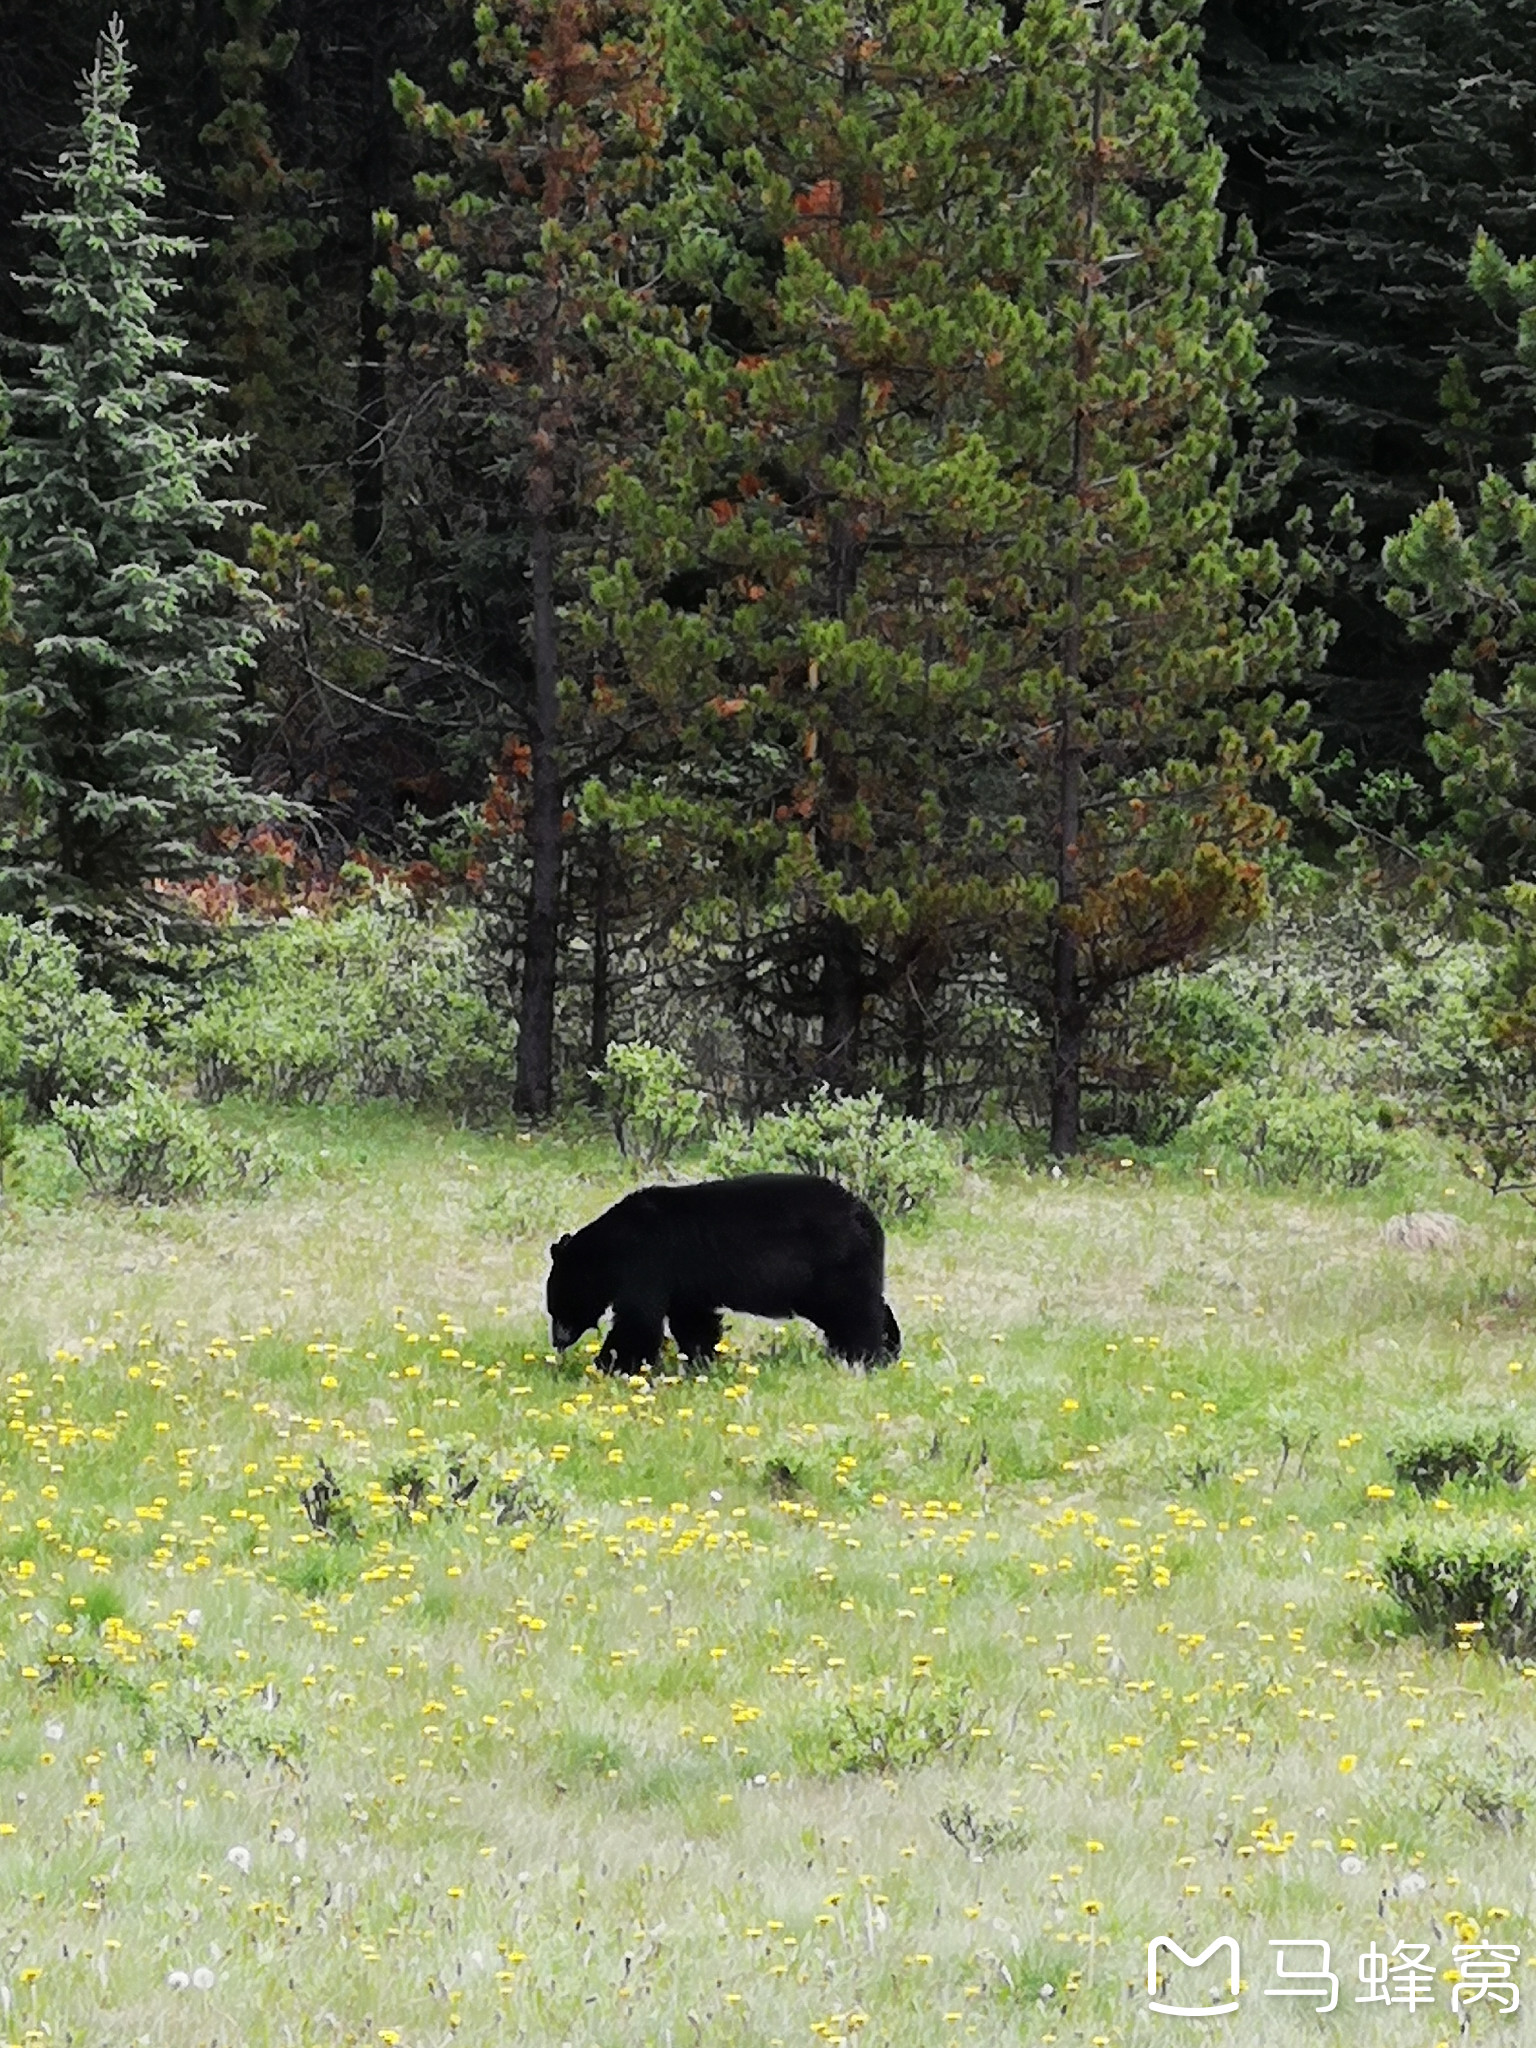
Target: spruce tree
263 260
133 629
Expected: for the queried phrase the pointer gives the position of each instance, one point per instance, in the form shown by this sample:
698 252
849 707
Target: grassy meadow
371 1676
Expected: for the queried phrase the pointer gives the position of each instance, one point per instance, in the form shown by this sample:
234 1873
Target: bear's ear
559 1241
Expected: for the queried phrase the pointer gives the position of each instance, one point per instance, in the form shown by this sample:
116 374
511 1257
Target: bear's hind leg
633 1344
697 1330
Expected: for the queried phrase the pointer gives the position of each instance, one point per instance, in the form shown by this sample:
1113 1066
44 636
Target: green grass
782 1705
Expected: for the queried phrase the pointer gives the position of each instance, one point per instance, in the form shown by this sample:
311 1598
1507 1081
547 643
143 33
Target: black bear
771 1244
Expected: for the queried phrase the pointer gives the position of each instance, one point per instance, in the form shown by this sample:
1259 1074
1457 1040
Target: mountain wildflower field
372 1675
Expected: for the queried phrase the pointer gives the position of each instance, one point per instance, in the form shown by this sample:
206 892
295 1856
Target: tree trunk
1066 1009
602 940
534 1090
1069 1012
842 1006
842 960
914 1047
1067 1084
368 441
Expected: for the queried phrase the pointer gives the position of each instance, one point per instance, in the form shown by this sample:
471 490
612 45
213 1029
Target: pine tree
1148 639
811 546
531 263
124 695
968 655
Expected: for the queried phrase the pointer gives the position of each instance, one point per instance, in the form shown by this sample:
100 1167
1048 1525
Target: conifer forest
865 550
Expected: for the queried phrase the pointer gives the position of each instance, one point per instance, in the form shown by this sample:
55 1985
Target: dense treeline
829 520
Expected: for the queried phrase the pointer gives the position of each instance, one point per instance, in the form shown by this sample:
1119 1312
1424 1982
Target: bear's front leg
697 1331
633 1344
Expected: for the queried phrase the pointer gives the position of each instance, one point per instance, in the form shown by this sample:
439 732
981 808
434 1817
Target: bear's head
575 1296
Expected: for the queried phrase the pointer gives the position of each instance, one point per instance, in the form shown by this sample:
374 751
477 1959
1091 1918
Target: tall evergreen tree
262 256
1148 640
532 260
807 547
124 694
969 653
1474 572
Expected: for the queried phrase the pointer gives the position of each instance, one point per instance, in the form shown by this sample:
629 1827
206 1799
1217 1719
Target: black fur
770 1244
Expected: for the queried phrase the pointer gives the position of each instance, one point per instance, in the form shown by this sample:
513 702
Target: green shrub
59 1040
1323 1139
225 1722
1358 991
151 1147
378 1000
897 1164
463 1475
1481 1452
12 1111
1463 1581
1497 1787
882 1728
651 1108
1177 1039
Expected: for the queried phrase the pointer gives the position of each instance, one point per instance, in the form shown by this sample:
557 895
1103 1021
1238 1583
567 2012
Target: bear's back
705 1223
762 1201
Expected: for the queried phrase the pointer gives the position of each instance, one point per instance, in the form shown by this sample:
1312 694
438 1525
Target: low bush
327 1508
12 1113
446 1477
1323 1139
1475 1452
652 1110
881 1727
1463 1582
151 1147
378 1000
897 1164
243 1724
1497 1787
59 1040
1177 1039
